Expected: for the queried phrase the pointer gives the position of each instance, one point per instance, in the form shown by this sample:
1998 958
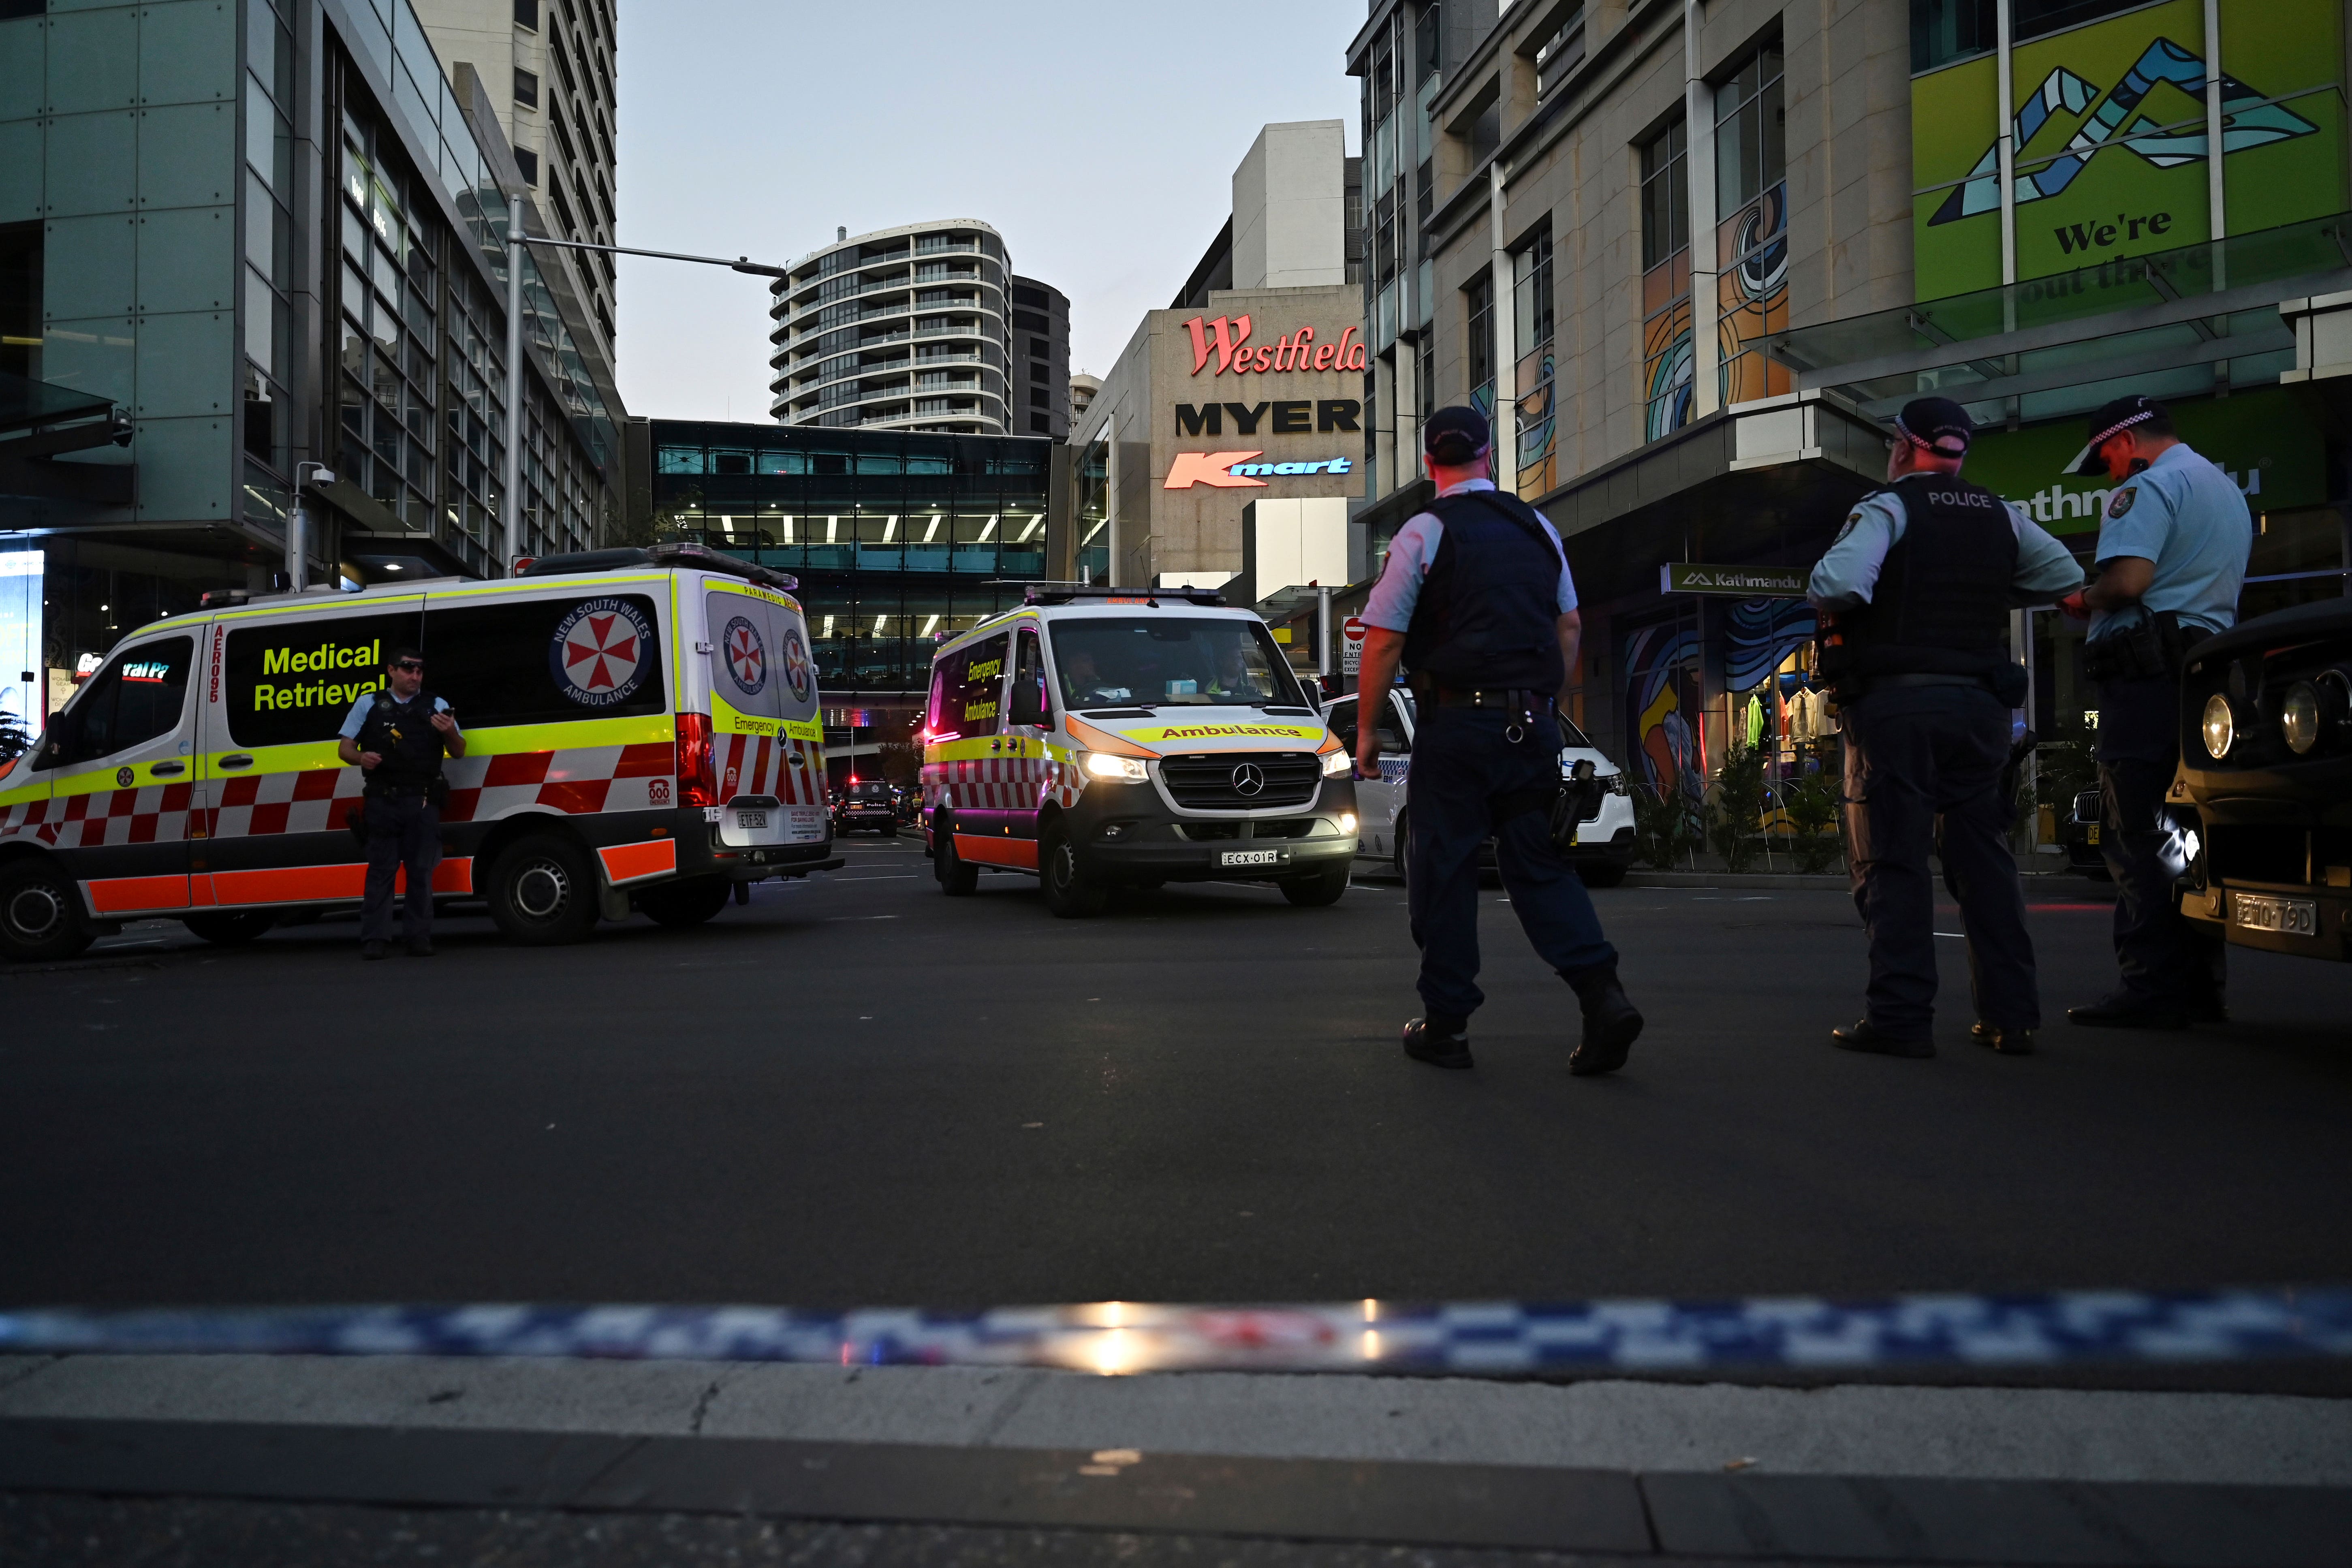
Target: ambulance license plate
2289 916
750 819
1231 858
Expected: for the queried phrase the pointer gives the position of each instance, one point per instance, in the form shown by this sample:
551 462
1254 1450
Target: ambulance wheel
543 892
956 879
1069 893
686 902
1316 890
38 919
231 928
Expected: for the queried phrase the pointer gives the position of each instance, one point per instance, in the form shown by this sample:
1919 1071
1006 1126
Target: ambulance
641 729
1100 738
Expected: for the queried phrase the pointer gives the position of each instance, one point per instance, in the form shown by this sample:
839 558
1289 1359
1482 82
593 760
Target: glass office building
899 539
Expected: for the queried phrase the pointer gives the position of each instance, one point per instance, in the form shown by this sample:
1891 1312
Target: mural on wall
1662 706
1666 355
2111 140
1758 635
1753 296
1539 468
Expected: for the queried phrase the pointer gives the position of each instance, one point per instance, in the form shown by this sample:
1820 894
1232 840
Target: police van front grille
1208 783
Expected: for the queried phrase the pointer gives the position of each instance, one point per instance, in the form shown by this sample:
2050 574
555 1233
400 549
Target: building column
1698 115
1506 432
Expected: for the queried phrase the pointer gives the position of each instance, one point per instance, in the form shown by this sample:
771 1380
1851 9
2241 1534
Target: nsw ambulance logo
798 676
747 657
600 652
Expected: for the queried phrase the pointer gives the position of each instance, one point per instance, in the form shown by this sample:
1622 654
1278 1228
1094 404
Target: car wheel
1316 890
39 917
543 892
689 902
955 879
1069 893
1601 874
231 928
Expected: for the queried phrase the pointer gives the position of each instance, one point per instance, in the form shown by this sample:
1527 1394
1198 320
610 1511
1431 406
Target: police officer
1477 603
2171 561
397 737
1918 588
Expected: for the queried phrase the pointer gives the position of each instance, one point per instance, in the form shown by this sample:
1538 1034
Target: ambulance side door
1028 723
121 766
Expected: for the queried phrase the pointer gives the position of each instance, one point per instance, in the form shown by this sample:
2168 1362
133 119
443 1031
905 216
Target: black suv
865 804
2262 803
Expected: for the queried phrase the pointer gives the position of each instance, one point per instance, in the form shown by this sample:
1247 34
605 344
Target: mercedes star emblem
1248 779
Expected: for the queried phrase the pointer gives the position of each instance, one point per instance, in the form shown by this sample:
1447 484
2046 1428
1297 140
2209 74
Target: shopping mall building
1693 258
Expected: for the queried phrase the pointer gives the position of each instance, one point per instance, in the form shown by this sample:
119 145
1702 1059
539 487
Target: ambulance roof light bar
1063 593
682 554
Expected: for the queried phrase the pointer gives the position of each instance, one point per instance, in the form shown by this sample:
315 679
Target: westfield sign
1225 339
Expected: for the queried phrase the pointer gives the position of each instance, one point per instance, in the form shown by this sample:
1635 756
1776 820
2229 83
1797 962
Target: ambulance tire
1316 890
543 892
231 928
40 917
956 879
1069 893
686 902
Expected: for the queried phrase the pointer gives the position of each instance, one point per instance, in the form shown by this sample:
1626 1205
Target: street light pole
298 526
511 503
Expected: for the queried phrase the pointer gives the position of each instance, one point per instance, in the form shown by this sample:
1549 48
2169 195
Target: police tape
1113 1337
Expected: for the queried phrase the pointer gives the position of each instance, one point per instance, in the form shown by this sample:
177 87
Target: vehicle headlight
1617 784
2221 726
1120 770
1347 822
1337 763
2299 718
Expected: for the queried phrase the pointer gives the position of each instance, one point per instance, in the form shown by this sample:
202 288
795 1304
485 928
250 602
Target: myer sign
1739 582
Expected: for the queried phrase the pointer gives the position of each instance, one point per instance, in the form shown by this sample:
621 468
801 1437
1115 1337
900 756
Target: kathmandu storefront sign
1232 471
1225 339
1740 582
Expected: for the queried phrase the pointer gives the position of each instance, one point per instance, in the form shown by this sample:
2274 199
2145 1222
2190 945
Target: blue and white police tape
1127 1337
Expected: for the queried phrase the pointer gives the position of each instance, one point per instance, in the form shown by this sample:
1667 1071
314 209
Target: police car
641 730
1126 737
1604 844
865 803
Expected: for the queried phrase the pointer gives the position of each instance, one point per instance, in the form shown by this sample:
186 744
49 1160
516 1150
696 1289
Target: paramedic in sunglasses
397 737
1916 593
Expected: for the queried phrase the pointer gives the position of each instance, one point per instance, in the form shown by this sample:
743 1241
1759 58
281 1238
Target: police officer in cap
397 737
2171 561
1477 603
1917 590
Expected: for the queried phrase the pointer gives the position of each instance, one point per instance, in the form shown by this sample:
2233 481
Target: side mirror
1029 706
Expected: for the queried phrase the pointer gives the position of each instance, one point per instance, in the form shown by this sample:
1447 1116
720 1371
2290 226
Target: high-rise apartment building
548 68
1040 346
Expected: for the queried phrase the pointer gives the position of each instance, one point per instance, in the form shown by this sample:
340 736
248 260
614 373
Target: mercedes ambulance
641 730
1122 737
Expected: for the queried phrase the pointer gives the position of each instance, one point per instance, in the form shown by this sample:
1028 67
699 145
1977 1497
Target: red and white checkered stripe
1001 784
789 770
150 814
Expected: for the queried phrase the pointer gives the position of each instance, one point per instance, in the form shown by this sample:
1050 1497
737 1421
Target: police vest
1488 613
402 734
1941 606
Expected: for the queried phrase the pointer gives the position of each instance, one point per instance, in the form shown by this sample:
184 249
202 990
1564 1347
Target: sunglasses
408 664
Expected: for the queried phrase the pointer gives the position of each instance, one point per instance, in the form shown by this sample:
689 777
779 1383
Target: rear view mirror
1029 705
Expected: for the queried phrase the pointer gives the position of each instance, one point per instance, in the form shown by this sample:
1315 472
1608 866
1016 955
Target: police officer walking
397 737
2171 562
1476 602
1917 588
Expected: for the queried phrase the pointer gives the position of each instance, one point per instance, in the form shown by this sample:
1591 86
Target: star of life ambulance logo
599 653
747 657
797 673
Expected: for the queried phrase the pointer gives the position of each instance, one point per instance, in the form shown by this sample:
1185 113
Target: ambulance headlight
1347 822
1119 770
1336 763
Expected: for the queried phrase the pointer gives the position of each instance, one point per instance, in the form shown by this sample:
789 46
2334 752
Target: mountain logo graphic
2246 121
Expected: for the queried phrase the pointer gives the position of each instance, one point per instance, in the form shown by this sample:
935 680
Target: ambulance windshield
1163 660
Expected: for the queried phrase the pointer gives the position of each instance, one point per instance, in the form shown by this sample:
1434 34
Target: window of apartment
563 66
1531 304
528 160
1426 44
1560 53
1752 225
1478 303
1666 353
1665 196
1532 314
526 13
1041 349
1750 135
1943 31
526 87
564 209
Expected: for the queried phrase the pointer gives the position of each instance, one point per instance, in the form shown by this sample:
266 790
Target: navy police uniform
1477 583
1916 591
402 810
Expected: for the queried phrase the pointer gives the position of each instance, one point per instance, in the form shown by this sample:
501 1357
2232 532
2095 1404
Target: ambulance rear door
278 797
120 764
767 740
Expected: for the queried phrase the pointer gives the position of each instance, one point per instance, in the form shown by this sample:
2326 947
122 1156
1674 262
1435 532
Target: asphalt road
856 1091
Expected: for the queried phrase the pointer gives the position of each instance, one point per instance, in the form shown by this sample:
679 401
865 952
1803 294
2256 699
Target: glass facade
898 538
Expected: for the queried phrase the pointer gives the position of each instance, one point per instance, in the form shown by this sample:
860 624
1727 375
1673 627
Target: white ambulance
641 727
1128 737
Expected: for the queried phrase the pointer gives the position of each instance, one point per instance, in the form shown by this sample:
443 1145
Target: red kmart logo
1234 470
1225 339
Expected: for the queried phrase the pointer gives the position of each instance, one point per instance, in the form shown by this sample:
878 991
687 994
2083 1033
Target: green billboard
2110 132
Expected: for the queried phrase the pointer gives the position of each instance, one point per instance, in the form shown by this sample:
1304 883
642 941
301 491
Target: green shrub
1813 804
1735 821
1665 826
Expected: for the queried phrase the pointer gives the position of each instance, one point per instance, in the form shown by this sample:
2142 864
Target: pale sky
1098 139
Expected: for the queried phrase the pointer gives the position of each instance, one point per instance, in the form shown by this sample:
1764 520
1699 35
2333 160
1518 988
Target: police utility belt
2150 649
1569 803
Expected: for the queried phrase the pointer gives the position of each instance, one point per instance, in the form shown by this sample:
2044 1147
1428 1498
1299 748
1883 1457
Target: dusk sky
1098 140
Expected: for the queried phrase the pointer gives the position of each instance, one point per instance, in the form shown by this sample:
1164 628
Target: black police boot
2008 1041
420 947
2122 1010
1440 1042
1612 1021
372 950
1868 1036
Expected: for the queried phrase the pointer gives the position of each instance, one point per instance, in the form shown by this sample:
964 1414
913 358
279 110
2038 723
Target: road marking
885 876
1962 935
837 920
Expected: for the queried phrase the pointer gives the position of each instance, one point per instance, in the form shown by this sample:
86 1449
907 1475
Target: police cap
1452 436
1937 425
2113 419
